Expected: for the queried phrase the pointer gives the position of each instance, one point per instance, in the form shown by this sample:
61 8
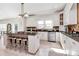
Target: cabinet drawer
75 45
68 43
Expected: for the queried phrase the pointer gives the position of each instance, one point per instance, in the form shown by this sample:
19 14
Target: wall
32 21
13 21
54 18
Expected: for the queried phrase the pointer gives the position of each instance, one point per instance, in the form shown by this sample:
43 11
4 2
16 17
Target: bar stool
14 43
24 45
9 43
18 44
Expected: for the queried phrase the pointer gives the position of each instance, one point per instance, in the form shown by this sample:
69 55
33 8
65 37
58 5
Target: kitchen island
23 42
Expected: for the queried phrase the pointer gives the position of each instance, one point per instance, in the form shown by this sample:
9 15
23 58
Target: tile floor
46 49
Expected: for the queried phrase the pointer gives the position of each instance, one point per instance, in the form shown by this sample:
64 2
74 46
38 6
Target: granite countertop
31 33
17 35
73 36
46 30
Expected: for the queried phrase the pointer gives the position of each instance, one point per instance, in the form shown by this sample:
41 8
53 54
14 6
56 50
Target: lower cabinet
62 40
42 35
57 36
75 47
67 45
54 36
33 44
70 46
49 36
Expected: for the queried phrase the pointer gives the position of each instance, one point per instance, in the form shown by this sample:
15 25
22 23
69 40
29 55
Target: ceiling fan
24 14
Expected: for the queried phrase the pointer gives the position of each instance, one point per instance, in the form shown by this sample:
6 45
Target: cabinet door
62 38
68 46
52 36
57 36
67 14
43 35
73 14
75 47
65 42
33 44
71 46
39 35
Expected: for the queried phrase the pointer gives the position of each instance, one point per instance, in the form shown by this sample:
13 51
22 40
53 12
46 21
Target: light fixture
26 15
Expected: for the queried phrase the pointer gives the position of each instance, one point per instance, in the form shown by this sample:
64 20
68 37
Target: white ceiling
10 10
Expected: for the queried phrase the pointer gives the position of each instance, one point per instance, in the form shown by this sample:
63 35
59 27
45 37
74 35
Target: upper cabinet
71 14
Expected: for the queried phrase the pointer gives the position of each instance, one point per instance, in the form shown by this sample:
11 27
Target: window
2 27
47 24
40 24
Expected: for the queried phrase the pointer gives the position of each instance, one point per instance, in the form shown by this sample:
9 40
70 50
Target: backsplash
75 27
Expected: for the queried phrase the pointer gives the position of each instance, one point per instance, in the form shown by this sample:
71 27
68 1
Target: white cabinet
33 43
67 45
70 46
51 36
74 47
57 36
54 36
73 14
70 14
43 35
66 15
62 38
